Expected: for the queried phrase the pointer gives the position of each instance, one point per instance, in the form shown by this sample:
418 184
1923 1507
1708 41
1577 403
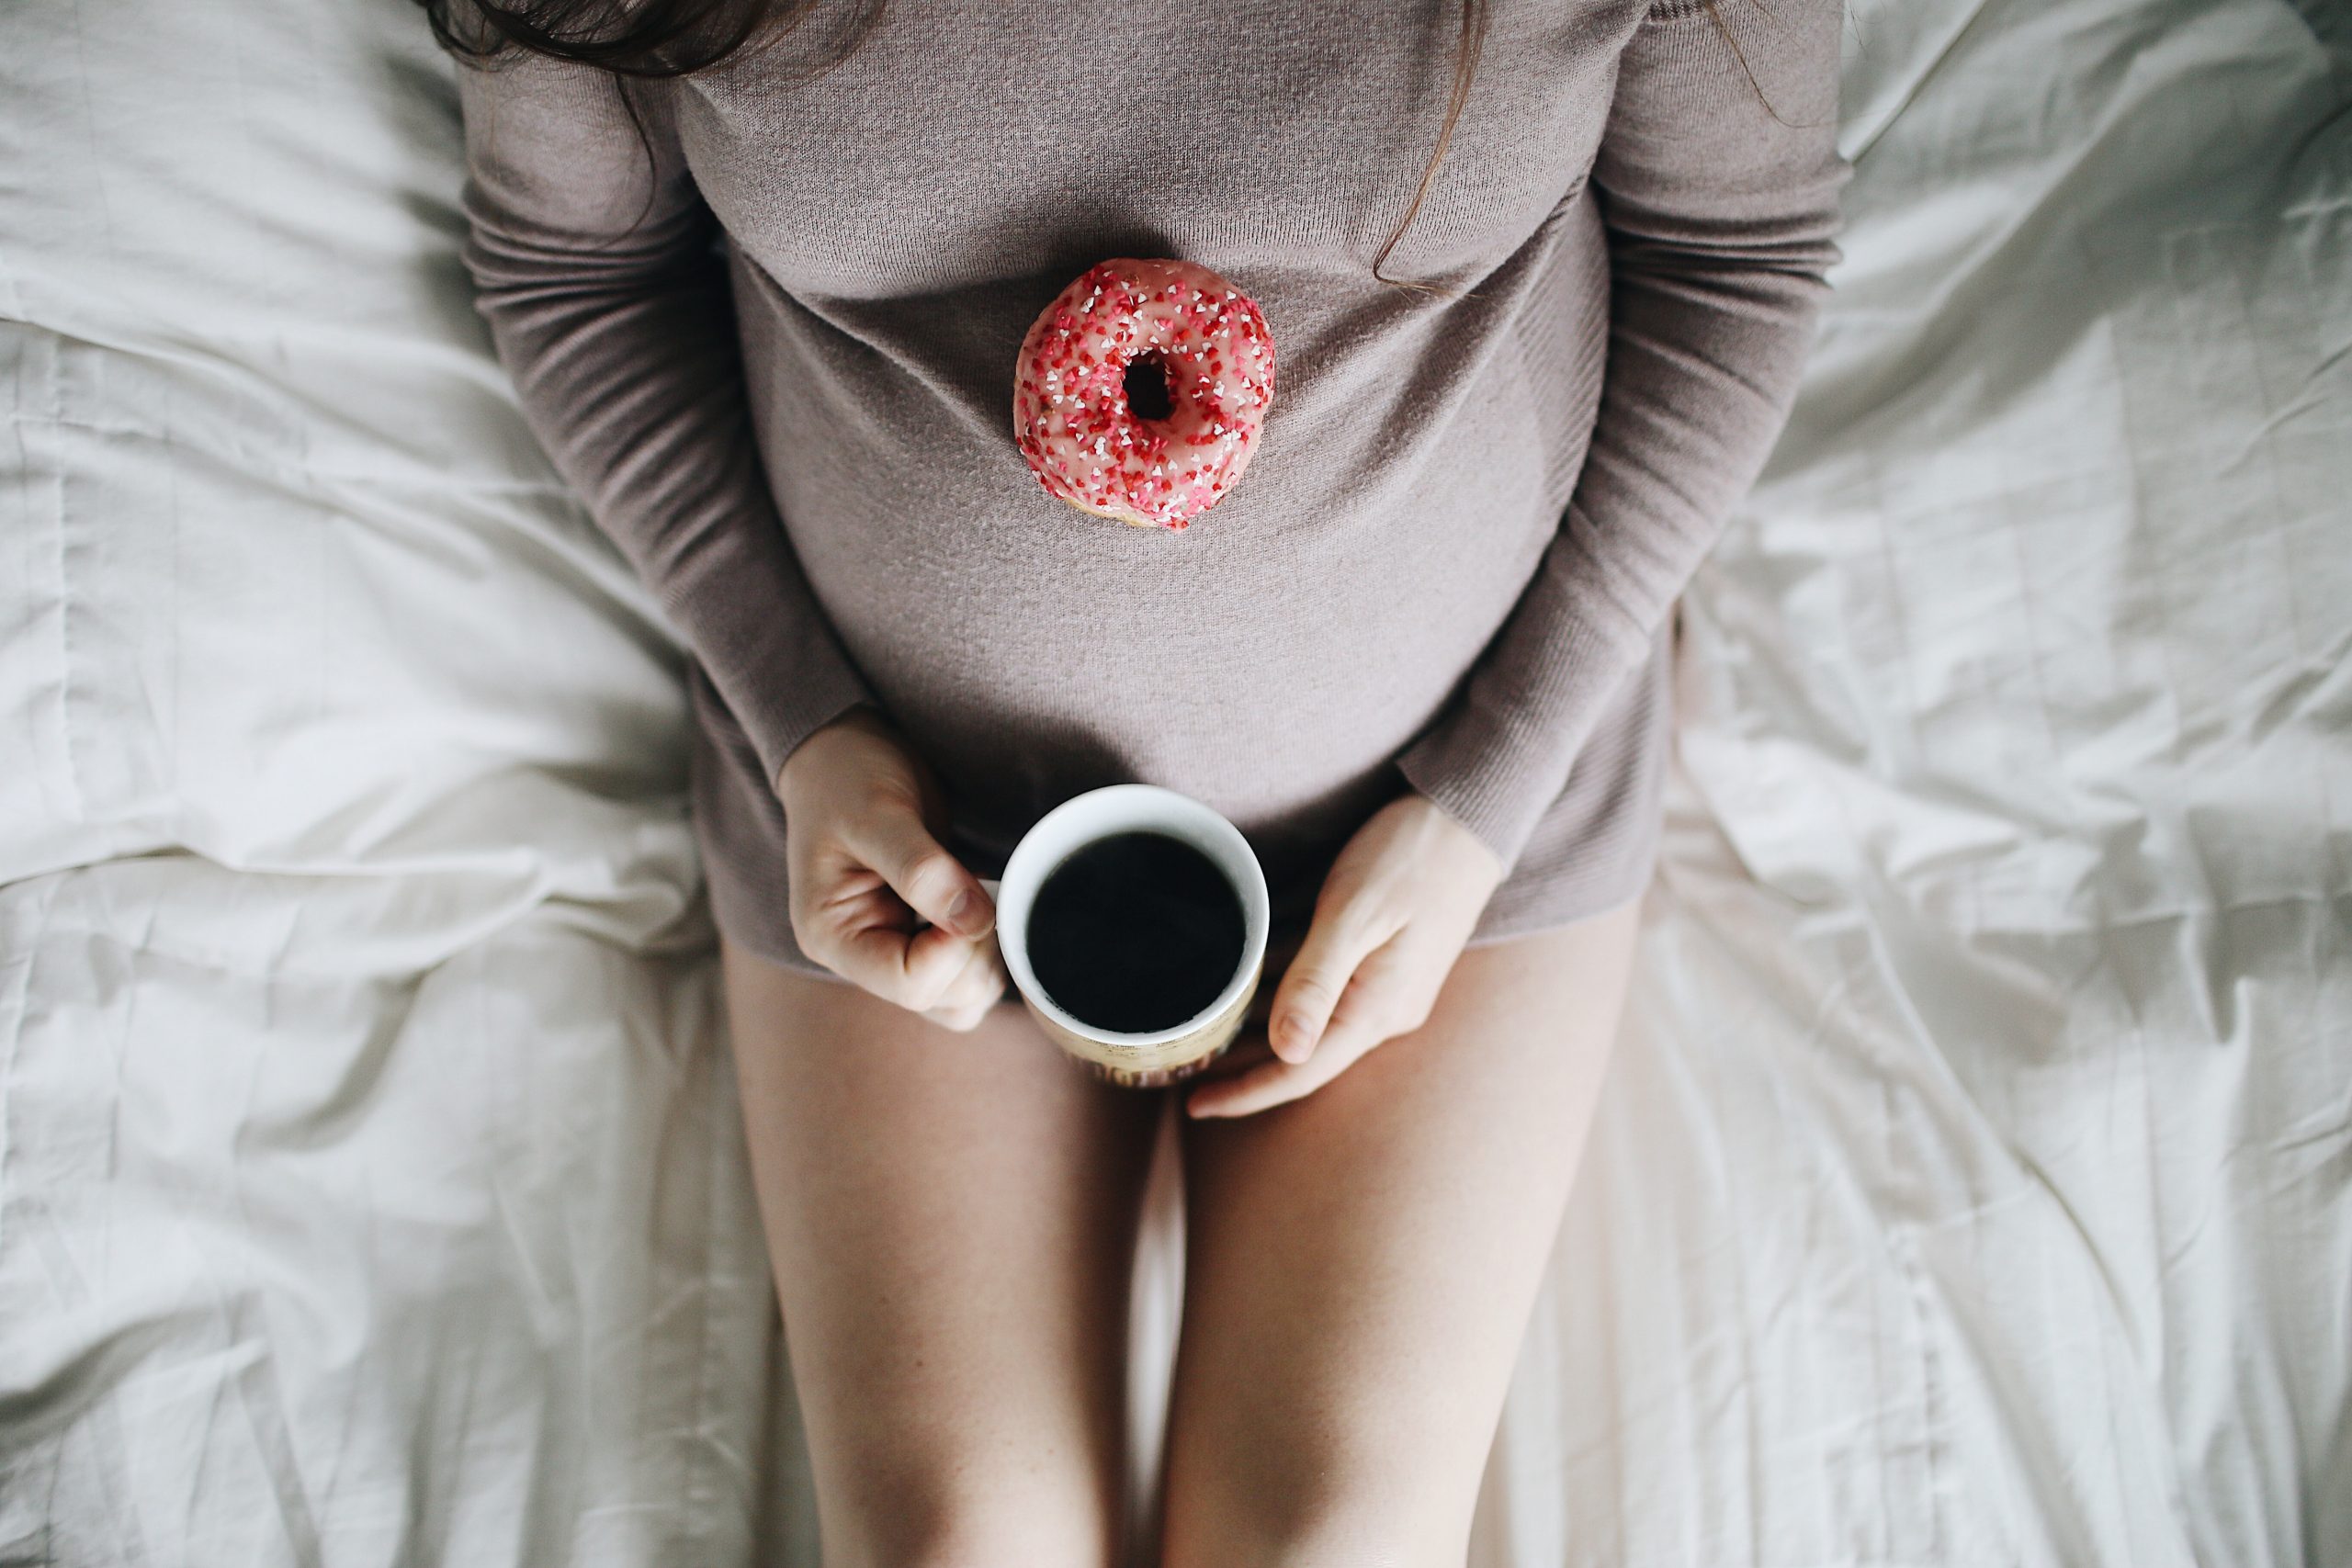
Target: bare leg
951 1219
1362 1262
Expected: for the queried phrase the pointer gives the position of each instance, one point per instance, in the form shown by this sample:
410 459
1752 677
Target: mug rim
1161 809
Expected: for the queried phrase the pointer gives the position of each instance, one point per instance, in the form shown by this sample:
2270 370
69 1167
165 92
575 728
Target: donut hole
1147 386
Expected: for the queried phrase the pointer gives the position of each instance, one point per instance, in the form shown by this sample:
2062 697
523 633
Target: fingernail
963 914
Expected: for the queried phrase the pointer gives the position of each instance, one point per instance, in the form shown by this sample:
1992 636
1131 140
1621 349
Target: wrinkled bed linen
1971 1182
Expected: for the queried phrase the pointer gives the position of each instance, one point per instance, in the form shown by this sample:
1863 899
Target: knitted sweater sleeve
1718 178
593 260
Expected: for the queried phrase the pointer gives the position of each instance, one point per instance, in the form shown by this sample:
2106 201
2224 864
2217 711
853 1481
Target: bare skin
1360 1264
952 1206
951 1217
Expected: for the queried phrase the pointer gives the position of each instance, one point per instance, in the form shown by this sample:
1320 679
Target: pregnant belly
1270 659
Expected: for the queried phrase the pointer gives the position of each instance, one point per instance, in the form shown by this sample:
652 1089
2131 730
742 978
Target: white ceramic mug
1161 1056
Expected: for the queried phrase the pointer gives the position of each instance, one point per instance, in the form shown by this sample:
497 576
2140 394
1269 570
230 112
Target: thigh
1361 1265
952 1220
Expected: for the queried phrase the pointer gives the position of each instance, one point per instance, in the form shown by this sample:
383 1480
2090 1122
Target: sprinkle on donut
1140 391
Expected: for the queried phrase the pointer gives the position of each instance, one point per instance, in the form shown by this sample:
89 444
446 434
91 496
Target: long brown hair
676 38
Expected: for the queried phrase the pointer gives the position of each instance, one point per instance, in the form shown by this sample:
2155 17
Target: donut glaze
1140 391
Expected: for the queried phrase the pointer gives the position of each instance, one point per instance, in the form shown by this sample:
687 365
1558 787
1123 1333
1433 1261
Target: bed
1973 1180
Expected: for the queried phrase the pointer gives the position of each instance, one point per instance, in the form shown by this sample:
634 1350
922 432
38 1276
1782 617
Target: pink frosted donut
1140 391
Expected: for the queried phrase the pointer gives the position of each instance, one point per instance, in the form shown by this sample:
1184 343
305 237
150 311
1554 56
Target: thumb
1336 942
919 869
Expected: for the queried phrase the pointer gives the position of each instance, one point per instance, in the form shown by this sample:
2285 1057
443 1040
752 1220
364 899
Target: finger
975 990
1248 1049
962 1017
846 917
1365 1017
913 971
963 1021
1272 1081
1339 937
1278 957
893 840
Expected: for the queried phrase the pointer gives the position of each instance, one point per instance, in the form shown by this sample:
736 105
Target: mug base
1146 1078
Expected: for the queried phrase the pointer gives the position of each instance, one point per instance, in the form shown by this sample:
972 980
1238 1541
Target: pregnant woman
1539 277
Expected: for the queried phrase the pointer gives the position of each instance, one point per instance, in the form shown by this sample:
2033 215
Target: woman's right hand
862 813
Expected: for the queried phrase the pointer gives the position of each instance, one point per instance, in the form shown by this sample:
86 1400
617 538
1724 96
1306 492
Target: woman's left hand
1391 919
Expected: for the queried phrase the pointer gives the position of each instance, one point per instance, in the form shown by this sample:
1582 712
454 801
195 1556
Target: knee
1331 1522
974 1522
969 1546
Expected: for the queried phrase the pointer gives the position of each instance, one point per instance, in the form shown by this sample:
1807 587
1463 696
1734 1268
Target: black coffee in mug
1135 932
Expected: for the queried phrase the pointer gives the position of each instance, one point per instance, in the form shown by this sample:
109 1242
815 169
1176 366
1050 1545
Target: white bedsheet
1974 1184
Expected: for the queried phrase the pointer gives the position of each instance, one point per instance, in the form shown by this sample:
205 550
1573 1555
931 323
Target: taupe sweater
1470 513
